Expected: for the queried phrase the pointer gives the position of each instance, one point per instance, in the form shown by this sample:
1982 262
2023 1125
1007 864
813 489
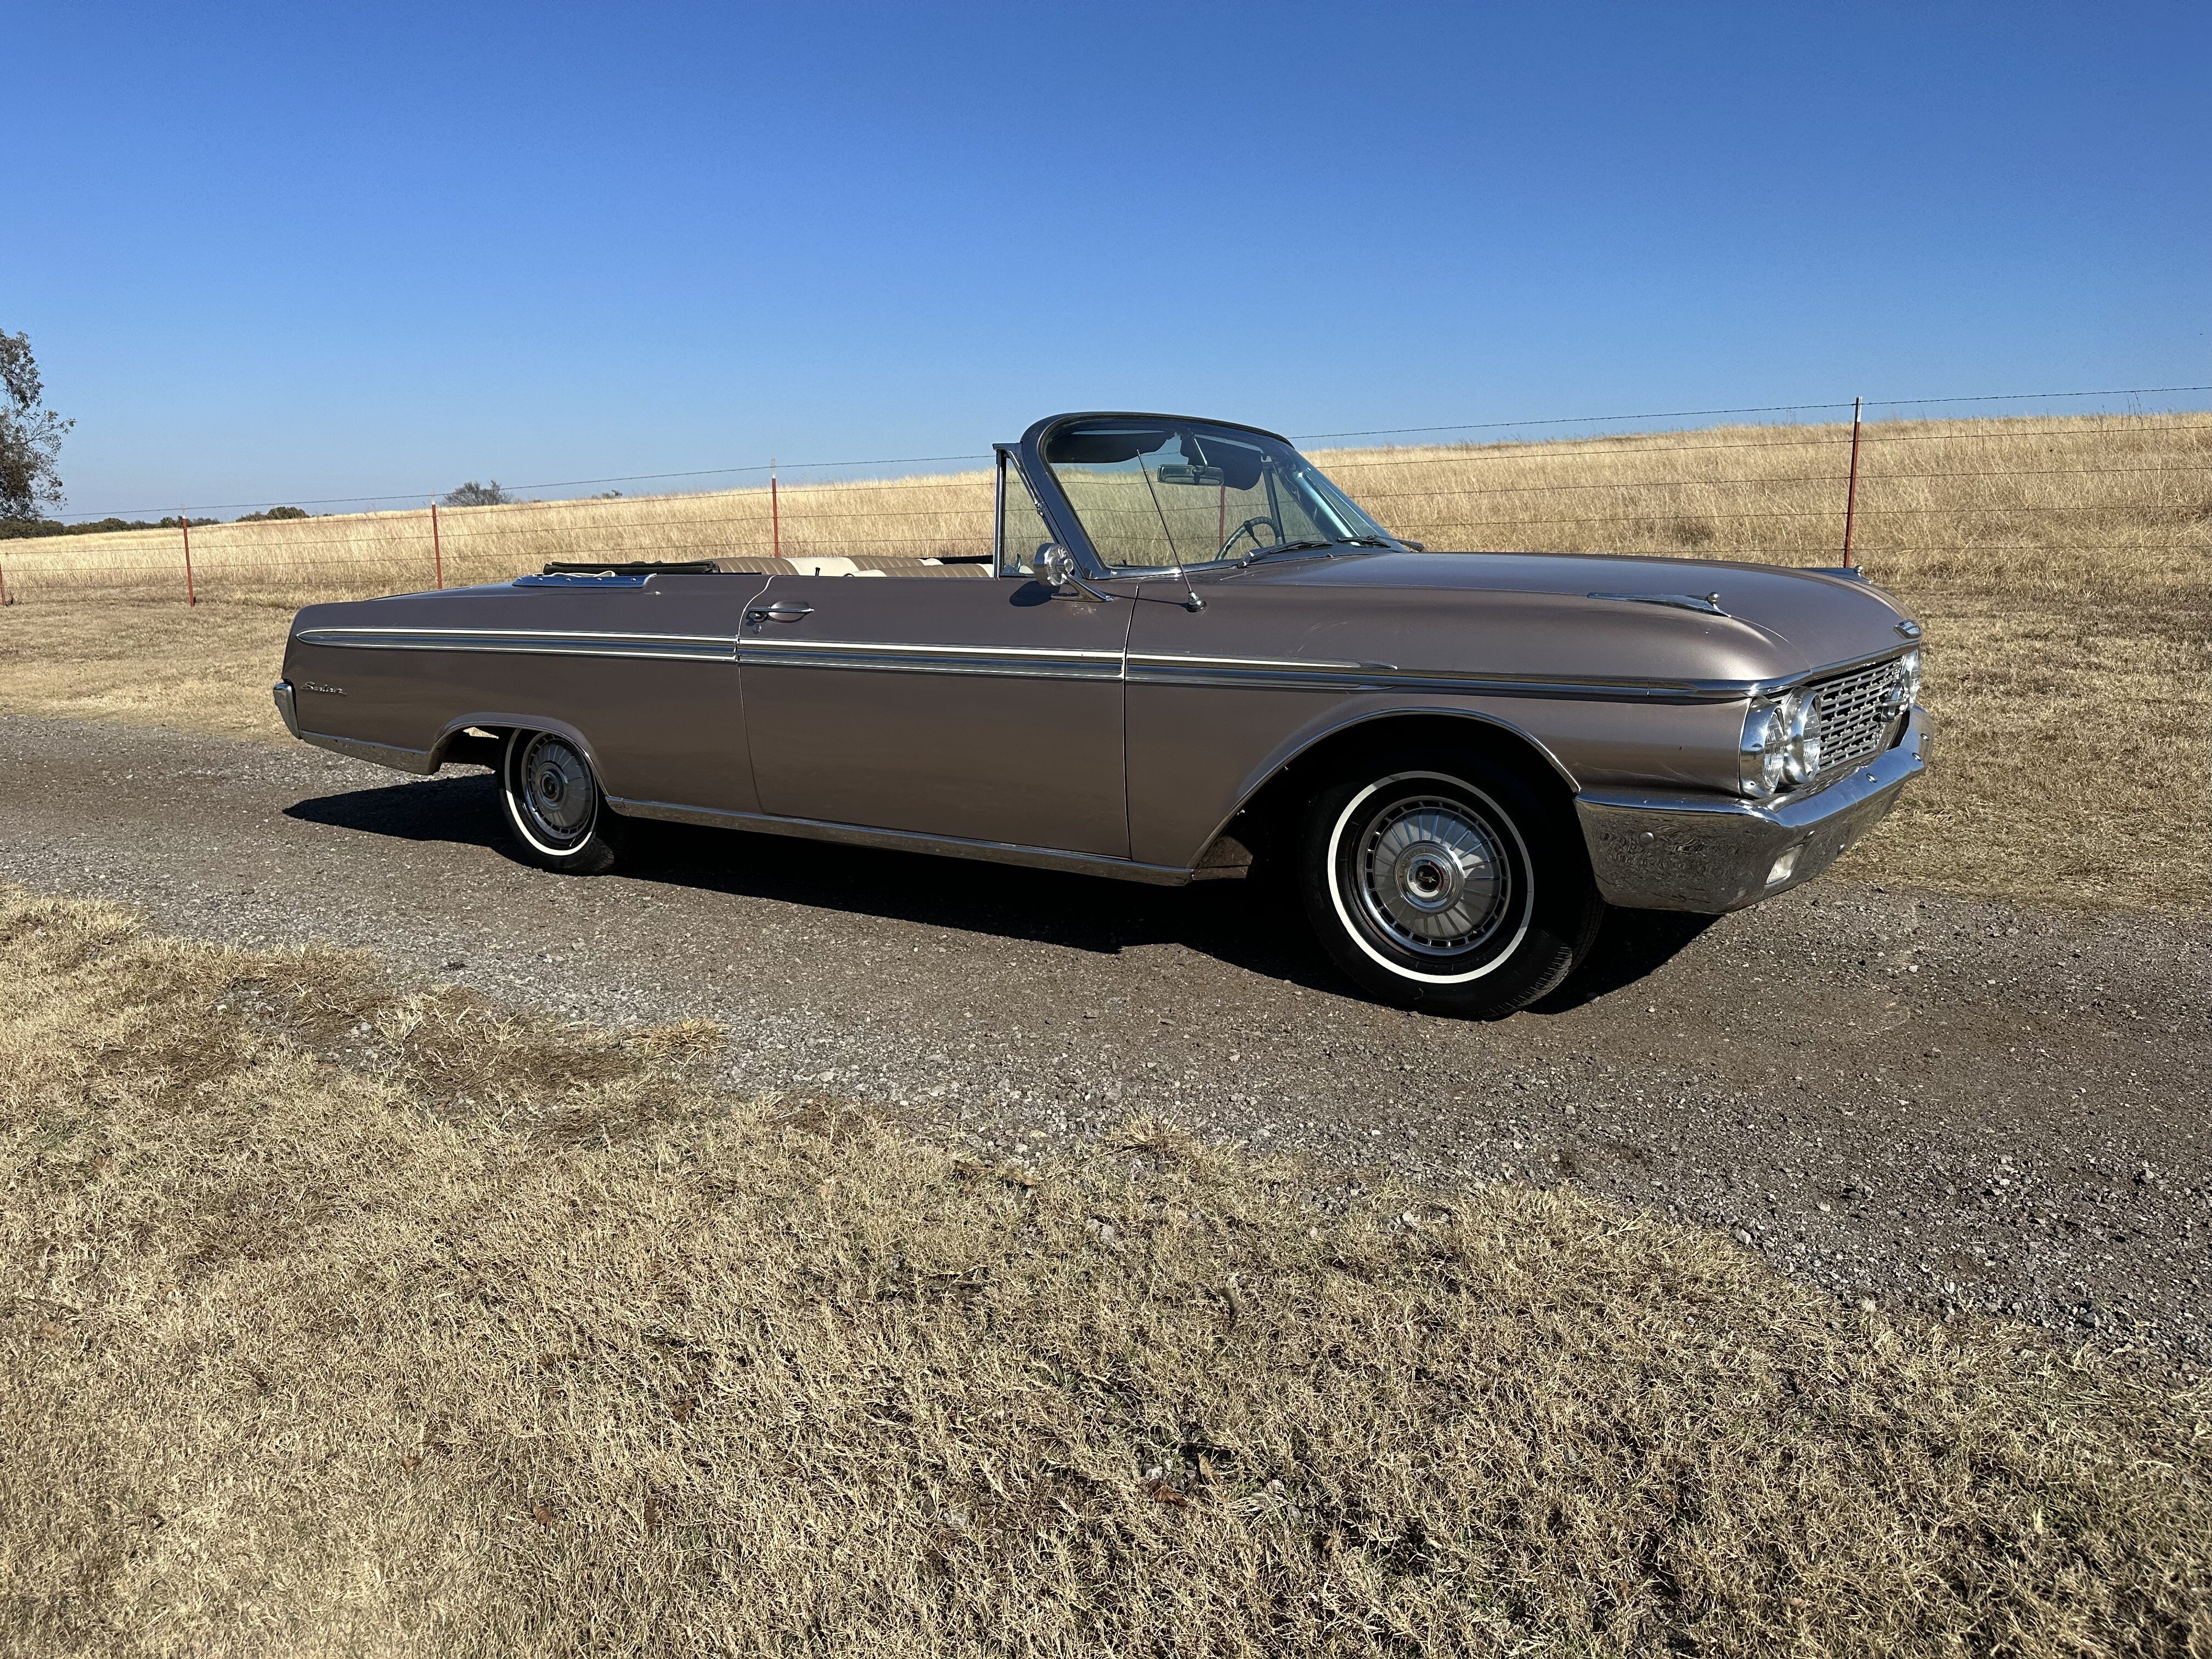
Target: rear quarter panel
656 728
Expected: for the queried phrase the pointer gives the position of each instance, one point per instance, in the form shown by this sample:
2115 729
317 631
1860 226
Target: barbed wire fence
1471 485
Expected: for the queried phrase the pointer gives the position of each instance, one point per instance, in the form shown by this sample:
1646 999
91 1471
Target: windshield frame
1068 524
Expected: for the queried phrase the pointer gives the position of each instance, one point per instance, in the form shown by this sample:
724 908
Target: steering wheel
1251 528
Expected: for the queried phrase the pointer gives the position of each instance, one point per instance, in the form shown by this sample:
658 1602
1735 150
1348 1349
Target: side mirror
1054 566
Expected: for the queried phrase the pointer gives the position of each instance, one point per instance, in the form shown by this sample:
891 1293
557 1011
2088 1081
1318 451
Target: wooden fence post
185 524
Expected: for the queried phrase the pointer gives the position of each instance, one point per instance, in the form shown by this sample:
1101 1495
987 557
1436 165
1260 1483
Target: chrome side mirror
1054 566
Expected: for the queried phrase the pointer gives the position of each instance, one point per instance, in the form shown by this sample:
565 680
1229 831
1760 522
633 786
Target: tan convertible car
1189 656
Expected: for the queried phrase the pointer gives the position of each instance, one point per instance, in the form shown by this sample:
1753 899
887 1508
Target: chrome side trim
1711 853
750 645
420 762
1377 677
890 657
909 840
1180 660
936 660
287 705
1044 662
535 642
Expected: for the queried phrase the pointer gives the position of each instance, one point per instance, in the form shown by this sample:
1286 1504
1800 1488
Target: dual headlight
1781 746
1781 743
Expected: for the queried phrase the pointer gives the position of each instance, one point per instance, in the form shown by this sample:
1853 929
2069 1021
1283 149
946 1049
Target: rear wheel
1448 882
554 805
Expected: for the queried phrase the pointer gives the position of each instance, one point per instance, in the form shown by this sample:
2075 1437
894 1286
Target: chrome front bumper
1653 850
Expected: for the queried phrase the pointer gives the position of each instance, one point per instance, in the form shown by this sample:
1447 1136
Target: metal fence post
185 524
1851 491
437 552
774 514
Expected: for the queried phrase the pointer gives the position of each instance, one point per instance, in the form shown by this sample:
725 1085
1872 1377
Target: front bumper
1653 850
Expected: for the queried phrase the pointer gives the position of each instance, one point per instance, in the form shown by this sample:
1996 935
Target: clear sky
299 251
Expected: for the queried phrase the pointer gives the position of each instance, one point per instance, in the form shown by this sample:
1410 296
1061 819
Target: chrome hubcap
1432 876
557 789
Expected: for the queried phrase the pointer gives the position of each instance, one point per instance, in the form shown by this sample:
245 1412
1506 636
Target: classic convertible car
1188 657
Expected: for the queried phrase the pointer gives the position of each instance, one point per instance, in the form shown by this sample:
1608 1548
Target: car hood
1776 621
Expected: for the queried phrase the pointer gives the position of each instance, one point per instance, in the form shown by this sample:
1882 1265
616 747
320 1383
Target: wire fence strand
2007 489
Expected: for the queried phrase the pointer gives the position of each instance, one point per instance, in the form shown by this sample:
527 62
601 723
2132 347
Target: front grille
1856 714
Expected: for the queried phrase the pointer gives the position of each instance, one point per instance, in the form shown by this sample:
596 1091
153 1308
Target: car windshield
1153 493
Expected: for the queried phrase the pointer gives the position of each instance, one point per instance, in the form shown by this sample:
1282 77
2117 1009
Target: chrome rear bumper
287 705
1654 850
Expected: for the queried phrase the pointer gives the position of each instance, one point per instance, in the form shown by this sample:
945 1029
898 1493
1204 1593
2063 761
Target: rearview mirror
1183 473
1053 565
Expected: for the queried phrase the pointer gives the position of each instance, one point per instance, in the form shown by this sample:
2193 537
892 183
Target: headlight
1801 719
1762 757
1904 689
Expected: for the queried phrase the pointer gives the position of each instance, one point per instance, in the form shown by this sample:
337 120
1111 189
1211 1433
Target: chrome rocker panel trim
1710 854
905 840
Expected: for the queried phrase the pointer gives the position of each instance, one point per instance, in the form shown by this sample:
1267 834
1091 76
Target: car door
987 708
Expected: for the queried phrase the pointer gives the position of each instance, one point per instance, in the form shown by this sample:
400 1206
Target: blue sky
298 252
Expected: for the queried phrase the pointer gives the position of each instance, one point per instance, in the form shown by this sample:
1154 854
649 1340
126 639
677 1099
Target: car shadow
1224 919
1631 945
1252 926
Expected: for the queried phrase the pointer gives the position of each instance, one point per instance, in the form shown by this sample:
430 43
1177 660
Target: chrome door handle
782 610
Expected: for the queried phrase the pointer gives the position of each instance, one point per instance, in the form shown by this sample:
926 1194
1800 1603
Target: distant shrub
473 494
273 512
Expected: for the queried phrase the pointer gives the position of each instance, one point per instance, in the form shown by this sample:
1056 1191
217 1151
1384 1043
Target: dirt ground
1896 1097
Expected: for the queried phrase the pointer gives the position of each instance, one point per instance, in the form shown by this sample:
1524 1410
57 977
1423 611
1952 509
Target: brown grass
136 663
2061 565
345 1318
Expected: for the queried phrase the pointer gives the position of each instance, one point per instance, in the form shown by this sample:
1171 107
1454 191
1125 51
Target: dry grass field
346 1318
2063 567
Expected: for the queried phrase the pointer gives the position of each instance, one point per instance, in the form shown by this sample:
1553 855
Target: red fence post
1851 492
3 584
185 524
437 552
774 514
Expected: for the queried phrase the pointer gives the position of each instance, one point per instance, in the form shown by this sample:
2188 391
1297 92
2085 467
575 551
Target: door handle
783 611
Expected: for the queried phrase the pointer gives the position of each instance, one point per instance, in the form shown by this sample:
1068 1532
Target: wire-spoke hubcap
555 787
1432 876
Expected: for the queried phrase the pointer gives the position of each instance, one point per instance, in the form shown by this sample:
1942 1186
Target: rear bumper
287 705
1653 850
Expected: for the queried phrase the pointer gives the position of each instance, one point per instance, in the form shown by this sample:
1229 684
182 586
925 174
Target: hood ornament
1909 629
1709 604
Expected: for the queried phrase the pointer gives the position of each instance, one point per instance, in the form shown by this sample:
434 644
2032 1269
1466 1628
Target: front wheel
554 805
1447 882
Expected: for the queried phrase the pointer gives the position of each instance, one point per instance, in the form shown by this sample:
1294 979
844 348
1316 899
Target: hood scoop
1709 604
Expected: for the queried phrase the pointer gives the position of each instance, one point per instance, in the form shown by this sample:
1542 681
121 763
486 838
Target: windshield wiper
1367 541
1289 547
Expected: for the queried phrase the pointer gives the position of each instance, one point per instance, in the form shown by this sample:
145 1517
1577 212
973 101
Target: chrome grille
1856 713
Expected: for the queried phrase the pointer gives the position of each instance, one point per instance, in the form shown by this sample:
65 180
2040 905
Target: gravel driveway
1892 1094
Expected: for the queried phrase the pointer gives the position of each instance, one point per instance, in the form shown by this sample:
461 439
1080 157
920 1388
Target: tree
30 434
473 494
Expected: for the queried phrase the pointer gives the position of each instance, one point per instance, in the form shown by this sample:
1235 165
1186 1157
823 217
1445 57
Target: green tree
30 434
